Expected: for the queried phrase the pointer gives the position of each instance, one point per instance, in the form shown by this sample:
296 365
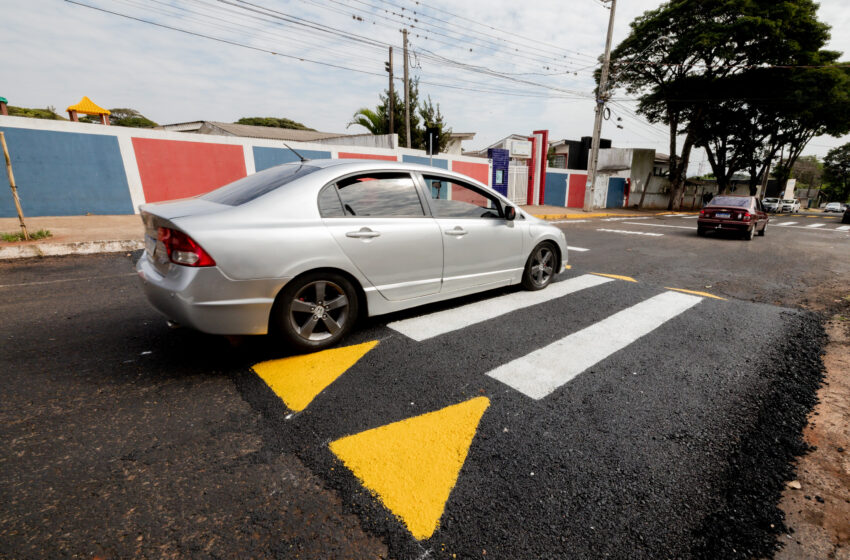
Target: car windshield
256 185
788 201
739 201
770 200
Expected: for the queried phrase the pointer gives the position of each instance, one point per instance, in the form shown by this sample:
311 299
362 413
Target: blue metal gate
616 192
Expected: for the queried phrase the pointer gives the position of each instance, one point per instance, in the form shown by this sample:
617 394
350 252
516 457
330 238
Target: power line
503 31
297 57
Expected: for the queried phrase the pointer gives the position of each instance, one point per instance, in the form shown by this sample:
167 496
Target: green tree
431 117
422 115
836 173
729 77
808 171
49 113
131 118
273 122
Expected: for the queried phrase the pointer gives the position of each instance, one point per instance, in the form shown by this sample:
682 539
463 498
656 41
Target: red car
744 215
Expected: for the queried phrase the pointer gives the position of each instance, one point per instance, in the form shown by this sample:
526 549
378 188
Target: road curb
74 248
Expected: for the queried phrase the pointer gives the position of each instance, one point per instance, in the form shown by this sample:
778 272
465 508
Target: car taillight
182 249
746 216
702 213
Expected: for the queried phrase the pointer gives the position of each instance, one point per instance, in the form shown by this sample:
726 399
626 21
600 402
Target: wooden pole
13 186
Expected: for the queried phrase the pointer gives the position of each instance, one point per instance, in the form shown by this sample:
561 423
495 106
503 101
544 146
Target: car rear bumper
205 299
707 223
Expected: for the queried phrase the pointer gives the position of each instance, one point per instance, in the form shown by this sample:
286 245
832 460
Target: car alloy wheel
540 268
317 310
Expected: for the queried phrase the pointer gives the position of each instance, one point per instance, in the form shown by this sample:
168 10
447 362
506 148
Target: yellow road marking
703 294
615 276
298 379
412 465
568 266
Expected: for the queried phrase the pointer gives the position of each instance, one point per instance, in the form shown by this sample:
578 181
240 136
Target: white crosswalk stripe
543 371
843 228
627 232
786 223
658 225
815 225
577 249
442 322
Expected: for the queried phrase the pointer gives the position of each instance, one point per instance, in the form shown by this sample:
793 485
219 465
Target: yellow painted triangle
298 379
412 465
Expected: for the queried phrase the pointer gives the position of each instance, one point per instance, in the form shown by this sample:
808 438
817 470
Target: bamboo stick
13 186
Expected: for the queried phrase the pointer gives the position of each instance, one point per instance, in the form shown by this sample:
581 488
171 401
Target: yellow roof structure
88 107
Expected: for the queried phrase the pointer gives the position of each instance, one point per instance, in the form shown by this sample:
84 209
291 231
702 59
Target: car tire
540 267
700 232
316 310
762 230
750 234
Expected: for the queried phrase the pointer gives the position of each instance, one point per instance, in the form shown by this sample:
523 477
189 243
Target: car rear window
254 186
738 201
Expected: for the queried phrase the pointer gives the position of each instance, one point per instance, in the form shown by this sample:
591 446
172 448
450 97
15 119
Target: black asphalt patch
638 457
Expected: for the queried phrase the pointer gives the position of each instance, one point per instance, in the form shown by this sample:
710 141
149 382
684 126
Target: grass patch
19 236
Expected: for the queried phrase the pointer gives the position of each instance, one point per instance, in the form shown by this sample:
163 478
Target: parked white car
834 207
790 205
772 204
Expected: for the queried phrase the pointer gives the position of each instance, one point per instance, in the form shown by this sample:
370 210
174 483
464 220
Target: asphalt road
667 437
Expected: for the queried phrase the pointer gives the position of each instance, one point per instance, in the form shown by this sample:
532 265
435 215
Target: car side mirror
510 213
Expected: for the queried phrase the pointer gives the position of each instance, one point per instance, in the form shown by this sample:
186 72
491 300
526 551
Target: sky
318 61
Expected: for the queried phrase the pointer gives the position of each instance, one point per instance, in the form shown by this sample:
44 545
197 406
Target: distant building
285 134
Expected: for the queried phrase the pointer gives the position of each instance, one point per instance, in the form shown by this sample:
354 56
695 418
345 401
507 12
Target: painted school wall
64 168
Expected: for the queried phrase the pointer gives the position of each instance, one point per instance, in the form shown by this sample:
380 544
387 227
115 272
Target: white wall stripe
442 322
543 371
250 166
131 171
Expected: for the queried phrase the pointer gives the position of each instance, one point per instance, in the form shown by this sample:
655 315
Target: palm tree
370 120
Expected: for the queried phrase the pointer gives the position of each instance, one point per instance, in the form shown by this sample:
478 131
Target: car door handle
458 231
363 233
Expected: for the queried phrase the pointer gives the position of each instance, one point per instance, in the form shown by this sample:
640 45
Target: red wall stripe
478 171
578 183
544 162
176 169
352 155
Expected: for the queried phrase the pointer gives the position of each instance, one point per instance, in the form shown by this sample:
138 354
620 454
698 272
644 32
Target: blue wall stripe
65 174
441 163
269 157
556 189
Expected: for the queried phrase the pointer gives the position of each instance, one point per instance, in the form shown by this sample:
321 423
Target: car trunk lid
163 215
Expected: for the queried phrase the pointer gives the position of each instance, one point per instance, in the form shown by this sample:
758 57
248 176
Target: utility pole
406 92
388 66
601 97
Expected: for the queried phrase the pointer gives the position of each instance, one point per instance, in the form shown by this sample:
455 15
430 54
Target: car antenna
302 158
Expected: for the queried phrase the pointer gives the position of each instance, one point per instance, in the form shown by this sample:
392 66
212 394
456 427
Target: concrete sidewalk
77 235
74 235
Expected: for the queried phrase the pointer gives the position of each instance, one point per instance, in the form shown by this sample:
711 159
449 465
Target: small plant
19 236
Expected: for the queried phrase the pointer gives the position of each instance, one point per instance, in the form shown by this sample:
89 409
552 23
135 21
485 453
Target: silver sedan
303 249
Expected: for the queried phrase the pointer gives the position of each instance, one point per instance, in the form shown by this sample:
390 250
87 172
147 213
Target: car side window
330 206
380 195
450 198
